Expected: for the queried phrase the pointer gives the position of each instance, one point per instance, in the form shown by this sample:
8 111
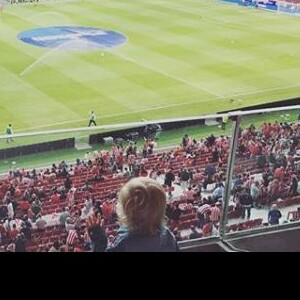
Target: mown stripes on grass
186 57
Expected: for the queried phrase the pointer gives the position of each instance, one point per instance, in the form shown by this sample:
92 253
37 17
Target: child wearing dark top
141 211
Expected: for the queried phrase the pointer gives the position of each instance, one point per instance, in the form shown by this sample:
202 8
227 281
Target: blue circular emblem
72 37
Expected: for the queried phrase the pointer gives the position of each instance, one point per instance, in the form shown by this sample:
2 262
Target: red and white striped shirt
204 208
215 214
72 237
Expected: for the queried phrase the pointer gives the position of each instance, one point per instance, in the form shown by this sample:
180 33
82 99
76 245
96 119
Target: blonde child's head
141 205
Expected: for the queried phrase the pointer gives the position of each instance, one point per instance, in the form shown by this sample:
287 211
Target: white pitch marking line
161 107
111 115
166 74
264 90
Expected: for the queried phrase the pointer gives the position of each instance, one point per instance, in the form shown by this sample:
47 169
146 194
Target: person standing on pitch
9 132
92 118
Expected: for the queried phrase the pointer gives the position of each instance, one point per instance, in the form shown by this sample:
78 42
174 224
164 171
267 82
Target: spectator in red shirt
189 194
279 173
215 213
55 198
207 229
107 210
24 206
14 232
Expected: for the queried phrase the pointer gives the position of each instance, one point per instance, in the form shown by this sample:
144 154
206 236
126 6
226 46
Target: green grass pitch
182 58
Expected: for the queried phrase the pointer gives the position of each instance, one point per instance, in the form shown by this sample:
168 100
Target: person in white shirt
10 210
40 223
69 224
88 204
92 118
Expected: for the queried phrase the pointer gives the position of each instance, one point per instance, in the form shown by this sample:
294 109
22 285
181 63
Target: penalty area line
264 90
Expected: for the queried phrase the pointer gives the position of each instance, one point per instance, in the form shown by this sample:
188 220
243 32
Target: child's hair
141 205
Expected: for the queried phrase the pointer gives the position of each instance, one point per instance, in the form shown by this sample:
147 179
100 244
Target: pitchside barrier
288 7
37 148
150 130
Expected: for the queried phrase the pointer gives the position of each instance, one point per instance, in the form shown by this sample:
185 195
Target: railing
253 160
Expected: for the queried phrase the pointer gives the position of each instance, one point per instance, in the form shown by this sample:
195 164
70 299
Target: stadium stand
267 158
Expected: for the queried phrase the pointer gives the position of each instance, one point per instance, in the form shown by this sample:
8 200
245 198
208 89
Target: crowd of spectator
196 168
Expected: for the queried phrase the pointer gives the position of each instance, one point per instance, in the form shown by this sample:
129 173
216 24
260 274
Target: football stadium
154 125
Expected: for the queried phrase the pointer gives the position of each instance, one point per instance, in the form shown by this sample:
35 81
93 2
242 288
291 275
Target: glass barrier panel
265 182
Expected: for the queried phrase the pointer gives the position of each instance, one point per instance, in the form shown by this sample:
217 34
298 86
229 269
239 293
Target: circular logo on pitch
72 37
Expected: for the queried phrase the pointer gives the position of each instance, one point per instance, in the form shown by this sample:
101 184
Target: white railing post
229 172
